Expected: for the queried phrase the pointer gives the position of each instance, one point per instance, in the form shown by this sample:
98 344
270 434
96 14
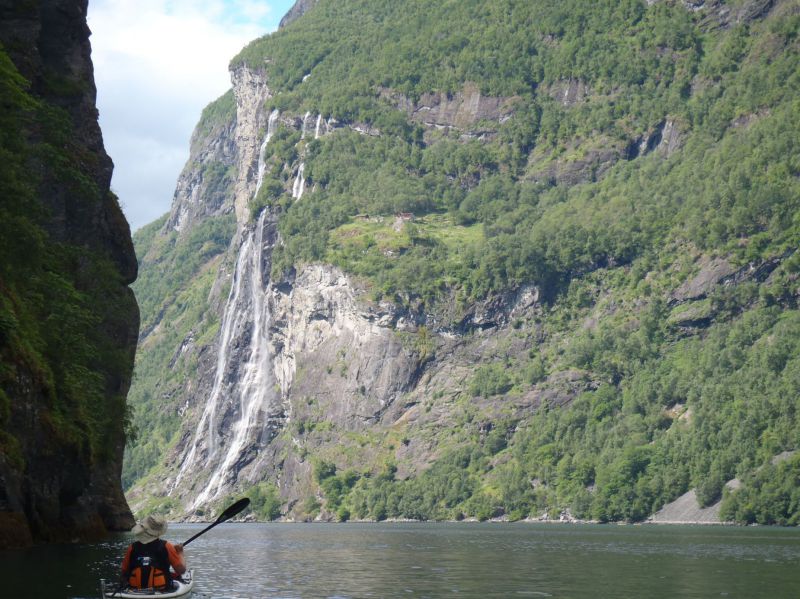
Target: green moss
691 312
58 300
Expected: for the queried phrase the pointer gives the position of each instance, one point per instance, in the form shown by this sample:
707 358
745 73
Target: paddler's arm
126 562
175 553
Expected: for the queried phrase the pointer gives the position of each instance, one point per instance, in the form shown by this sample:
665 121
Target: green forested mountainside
686 392
643 65
54 294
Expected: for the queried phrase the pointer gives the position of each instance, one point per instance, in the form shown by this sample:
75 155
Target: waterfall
232 321
250 389
303 127
316 130
243 382
254 382
299 182
262 163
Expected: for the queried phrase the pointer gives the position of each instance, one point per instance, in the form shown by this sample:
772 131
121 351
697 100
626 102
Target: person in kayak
147 561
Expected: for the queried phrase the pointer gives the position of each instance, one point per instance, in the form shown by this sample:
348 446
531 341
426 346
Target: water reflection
293 561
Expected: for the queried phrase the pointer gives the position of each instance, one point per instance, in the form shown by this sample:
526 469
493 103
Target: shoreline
575 521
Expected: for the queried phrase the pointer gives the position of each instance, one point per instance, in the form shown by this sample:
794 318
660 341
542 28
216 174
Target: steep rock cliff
486 298
69 320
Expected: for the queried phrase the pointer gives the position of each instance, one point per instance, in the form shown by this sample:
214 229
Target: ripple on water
355 561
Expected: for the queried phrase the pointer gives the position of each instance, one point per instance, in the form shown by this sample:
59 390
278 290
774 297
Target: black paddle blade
229 513
234 509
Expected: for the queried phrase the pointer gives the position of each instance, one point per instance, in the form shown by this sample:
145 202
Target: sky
157 63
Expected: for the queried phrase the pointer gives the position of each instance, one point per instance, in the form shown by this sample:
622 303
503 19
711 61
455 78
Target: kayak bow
182 589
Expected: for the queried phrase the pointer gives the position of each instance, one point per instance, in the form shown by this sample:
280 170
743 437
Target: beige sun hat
150 529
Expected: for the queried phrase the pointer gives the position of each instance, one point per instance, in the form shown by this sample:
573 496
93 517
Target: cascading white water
245 311
316 129
299 185
231 322
255 380
262 162
299 182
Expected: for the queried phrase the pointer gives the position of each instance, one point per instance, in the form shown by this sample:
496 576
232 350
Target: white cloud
157 64
253 10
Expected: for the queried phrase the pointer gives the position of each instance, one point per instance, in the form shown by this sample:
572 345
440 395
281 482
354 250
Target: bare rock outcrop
325 338
714 272
569 92
588 160
711 272
686 510
462 110
250 89
665 139
299 8
583 162
718 13
204 186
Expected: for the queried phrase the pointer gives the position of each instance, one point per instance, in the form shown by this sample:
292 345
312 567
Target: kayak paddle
226 515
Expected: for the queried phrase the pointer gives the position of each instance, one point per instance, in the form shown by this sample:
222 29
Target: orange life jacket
149 566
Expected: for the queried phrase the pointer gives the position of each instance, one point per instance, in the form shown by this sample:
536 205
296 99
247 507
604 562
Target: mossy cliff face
68 320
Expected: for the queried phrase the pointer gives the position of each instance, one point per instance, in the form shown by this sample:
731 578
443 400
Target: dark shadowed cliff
68 320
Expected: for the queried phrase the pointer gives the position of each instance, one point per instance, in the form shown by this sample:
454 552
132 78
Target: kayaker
147 561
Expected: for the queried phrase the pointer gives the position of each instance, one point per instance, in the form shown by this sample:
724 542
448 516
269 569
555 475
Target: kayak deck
182 589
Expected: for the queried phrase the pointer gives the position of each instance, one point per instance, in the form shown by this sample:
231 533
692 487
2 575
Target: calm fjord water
442 560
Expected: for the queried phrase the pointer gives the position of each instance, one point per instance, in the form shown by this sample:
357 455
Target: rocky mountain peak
300 8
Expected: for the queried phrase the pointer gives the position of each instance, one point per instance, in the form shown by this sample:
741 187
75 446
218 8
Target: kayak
182 588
